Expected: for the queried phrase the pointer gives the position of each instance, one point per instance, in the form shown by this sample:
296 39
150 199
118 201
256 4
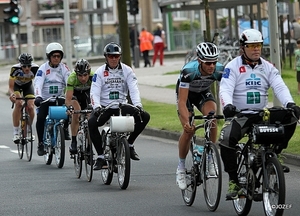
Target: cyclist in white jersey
112 82
245 83
51 80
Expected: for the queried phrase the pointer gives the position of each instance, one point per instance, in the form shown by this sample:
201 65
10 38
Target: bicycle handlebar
22 98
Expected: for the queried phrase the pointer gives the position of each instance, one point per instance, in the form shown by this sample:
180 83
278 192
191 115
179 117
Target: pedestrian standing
159 44
297 64
146 39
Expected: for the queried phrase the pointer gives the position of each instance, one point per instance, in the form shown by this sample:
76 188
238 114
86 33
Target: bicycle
260 173
54 137
26 139
84 148
197 164
116 147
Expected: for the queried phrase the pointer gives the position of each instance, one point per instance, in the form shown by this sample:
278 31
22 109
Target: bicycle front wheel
59 147
29 140
88 155
78 160
274 189
189 193
123 161
20 145
212 176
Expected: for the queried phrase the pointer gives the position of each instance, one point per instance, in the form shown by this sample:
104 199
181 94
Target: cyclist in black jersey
20 82
193 89
78 95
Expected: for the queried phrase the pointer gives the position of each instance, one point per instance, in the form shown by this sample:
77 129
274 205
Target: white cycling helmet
54 47
207 51
251 36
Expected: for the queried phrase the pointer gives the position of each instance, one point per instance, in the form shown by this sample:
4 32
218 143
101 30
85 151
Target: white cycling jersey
51 81
247 87
109 85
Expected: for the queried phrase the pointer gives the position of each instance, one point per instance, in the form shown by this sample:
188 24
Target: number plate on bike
268 134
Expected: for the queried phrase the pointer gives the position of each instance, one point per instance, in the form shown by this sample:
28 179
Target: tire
59 148
276 183
212 185
123 161
107 174
78 160
88 155
49 151
242 205
189 193
29 143
20 145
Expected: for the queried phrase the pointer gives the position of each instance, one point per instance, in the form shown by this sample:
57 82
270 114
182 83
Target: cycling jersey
21 78
51 81
190 77
247 87
73 83
113 84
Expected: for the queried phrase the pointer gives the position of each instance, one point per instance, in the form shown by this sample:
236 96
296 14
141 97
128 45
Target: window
52 34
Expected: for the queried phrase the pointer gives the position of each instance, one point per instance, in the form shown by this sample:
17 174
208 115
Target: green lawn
164 116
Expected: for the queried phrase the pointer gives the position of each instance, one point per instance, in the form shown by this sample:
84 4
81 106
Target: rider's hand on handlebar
38 101
70 110
295 108
141 110
229 110
12 98
189 129
98 111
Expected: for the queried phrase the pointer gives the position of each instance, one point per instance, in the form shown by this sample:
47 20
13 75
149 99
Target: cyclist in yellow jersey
20 82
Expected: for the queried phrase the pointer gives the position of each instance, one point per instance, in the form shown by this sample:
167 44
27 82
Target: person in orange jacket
146 39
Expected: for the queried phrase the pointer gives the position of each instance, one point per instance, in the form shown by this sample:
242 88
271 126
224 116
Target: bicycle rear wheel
88 155
59 147
189 193
274 191
212 176
29 141
123 161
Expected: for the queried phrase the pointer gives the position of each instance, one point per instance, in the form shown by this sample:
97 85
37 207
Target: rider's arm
280 89
227 86
11 83
96 88
133 88
70 89
182 109
38 82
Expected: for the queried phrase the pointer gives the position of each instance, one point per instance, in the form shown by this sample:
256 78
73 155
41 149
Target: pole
274 39
136 46
68 48
29 28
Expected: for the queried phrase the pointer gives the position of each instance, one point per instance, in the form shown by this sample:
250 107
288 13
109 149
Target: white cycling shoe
181 179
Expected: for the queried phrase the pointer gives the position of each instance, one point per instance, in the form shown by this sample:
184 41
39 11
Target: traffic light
13 13
133 7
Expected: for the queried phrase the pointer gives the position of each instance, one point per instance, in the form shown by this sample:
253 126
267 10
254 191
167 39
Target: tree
124 31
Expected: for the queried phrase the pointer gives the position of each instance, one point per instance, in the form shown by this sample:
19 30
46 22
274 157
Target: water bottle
197 150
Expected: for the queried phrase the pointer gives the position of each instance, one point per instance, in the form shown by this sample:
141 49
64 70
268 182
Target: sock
130 145
181 164
16 130
101 156
74 139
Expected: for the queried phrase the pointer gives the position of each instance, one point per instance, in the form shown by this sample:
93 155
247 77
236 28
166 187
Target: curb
288 158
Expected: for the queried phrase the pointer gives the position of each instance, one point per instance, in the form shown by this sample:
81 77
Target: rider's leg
206 108
74 127
16 116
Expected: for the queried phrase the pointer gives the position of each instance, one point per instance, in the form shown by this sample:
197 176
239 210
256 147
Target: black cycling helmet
112 48
207 51
25 59
82 66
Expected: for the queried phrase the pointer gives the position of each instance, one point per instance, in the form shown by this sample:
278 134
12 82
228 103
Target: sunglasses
83 75
25 66
113 56
56 56
253 46
209 63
